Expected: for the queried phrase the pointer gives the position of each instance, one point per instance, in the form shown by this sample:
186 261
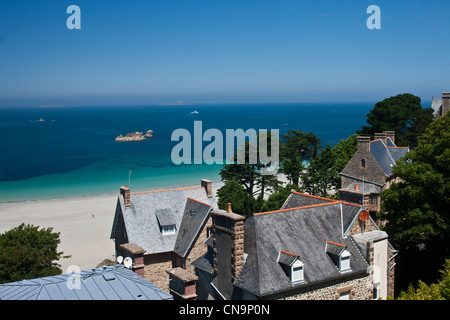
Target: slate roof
303 231
386 156
105 283
297 199
287 258
164 217
148 209
194 218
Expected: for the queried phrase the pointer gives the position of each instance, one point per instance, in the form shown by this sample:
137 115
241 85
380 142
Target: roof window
339 254
166 221
292 266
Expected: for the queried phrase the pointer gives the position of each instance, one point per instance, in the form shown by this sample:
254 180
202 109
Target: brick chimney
125 192
228 244
445 102
363 143
381 136
183 284
207 184
137 254
390 135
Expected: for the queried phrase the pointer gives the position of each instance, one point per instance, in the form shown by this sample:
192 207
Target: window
344 295
376 291
292 266
297 271
344 263
375 200
168 229
363 163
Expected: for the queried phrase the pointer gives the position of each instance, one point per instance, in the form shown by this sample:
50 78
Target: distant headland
135 136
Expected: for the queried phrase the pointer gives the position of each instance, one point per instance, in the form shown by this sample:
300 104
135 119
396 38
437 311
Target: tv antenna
129 176
362 192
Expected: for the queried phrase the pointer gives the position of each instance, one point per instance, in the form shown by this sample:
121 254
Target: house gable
354 171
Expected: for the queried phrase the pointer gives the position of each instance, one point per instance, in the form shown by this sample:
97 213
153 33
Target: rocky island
135 136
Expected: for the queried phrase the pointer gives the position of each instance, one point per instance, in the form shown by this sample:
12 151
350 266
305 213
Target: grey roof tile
301 231
141 220
297 199
165 217
194 219
386 156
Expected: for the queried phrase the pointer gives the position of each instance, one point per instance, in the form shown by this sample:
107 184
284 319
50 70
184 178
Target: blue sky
220 51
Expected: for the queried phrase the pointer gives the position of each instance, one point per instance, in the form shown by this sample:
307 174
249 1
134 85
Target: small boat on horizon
194 112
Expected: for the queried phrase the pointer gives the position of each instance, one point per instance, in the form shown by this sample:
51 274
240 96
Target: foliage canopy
28 252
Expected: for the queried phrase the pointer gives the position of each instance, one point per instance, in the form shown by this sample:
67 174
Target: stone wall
371 171
360 288
445 102
155 269
359 226
156 265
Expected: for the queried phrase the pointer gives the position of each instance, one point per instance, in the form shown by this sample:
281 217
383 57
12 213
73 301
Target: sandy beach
84 224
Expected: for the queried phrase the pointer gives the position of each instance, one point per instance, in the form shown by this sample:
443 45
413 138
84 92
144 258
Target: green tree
343 152
277 199
417 215
434 291
242 203
27 253
321 176
249 174
403 114
296 149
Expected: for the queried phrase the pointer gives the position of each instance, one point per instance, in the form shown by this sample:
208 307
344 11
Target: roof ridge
297 208
312 196
199 201
289 253
307 207
337 244
155 191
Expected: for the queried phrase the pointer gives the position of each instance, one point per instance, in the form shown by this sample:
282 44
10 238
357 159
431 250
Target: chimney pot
356 187
229 210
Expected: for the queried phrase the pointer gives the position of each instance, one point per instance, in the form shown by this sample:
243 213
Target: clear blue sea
73 151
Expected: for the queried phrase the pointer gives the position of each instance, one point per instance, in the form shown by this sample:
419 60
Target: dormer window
292 266
166 221
339 254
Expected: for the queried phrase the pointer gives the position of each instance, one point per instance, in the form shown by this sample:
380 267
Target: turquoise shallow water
73 152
